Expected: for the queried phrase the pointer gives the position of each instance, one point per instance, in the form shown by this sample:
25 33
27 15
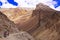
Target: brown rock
6 24
20 36
49 21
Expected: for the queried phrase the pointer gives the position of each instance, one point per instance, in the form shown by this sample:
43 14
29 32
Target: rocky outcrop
49 21
20 36
6 25
47 16
17 14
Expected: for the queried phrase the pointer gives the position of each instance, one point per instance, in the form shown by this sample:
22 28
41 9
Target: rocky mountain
16 14
43 23
6 25
49 20
9 30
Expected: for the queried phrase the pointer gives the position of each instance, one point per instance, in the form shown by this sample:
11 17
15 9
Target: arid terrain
42 23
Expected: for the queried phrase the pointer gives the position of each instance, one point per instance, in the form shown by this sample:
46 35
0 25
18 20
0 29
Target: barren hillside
43 23
49 21
16 14
9 30
7 25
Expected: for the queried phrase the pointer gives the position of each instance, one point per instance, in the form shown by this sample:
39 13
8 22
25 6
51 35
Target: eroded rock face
10 27
47 16
17 14
49 19
6 24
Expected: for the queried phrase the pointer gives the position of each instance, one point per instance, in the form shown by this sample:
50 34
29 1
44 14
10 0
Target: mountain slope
49 21
7 25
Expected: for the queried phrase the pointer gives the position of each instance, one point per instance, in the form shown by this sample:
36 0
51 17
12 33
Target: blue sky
54 4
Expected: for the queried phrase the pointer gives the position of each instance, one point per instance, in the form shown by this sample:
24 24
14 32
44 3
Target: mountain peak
43 7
